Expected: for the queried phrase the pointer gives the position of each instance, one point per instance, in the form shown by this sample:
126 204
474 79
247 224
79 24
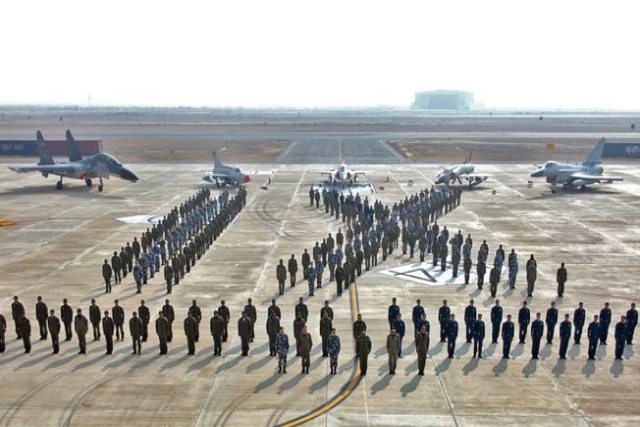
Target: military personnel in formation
138 276
508 332
136 329
95 315
340 277
551 320
478 336
292 266
416 316
130 256
116 267
470 314
452 335
605 321
326 325
363 348
579 319
394 348
333 348
223 311
326 308
53 323
496 320
444 315
306 344
400 328
162 330
250 311
216 326
168 277
66 313
481 270
512 263
274 309
3 331
311 278
190 330
358 326
282 349
422 348
117 312
565 336
108 328
17 311
494 280
392 312
24 331
273 326
621 332
81 326
537 330
319 272
593 335
244 331
298 324
524 318
177 269
466 266
301 310
632 322
124 261
561 278
170 315
532 274
145 316
281 276
42 312
107 272
306 261
196 313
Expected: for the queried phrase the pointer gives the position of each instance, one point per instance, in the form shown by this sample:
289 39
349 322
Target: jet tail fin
468 158
72 148
216 160
45 156
596 155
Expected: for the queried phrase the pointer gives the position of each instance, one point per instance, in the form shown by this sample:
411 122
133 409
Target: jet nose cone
128 175
247 179
537 174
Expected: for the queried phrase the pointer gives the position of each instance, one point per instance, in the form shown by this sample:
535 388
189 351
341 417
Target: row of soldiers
184 235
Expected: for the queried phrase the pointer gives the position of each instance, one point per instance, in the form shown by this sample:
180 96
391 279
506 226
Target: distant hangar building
443 100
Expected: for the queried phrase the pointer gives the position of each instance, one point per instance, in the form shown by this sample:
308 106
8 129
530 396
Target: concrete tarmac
60 238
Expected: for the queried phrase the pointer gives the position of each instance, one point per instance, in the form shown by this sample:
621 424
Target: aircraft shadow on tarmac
78 191
588 192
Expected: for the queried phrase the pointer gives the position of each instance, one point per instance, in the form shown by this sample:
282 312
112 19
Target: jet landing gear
88 182
59 184
100 186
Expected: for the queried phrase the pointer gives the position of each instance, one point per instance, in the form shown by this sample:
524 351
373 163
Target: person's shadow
530 368
381 384
410 387
470 367
559 368
500 368
617 368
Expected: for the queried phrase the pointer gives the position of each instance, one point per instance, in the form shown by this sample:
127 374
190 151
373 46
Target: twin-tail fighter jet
576 175
100 165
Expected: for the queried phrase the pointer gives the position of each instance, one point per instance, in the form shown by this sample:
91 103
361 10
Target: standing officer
524 318
605 321
593 334
66 312
216 325
326 326
116 266
293 269
81 325
170 315
416 316
117 312
244 331
537 330
54 330
301 310
478 336
508 332
223 311
107 272
282 348
333 348
565 336
466 266
281 276
452 335
3 331
551 320
632 322
496 320
422 348
298 324
168 277
250 311
326 309
195 312
470 314
400 328
136 329
363 348
162 330
394 347
358 326
273 326
561 278
145 316
444 314
305 349
481 270
42 312
621 336
190 330
494 279
340 276
393 312
579 318
24 331
532 274
95 315
108 327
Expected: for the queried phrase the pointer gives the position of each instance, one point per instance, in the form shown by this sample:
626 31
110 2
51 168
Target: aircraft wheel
100 187
59 185
553 191
88 182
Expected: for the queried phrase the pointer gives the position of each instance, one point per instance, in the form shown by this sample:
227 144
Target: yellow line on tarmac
347 389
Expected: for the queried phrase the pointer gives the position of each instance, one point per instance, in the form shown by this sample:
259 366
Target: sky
559 54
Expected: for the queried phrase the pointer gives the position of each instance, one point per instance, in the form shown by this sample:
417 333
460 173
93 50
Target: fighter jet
343 174
574 175
100 165
458 172
224 174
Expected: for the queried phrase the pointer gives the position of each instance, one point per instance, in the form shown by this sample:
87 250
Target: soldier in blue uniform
319 272
593 334
138 276
508 332
452 335
311 277
282 349
478 336
144 264
333 347
632 322
621 336
444 314
393 312
551 320
605 321
416 316
496 320
524 318
470 314
537 330
579 318
400 328
513 268
565 336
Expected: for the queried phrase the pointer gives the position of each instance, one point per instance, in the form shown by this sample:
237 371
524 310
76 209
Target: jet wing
219 175
475 176
598 178
54 169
